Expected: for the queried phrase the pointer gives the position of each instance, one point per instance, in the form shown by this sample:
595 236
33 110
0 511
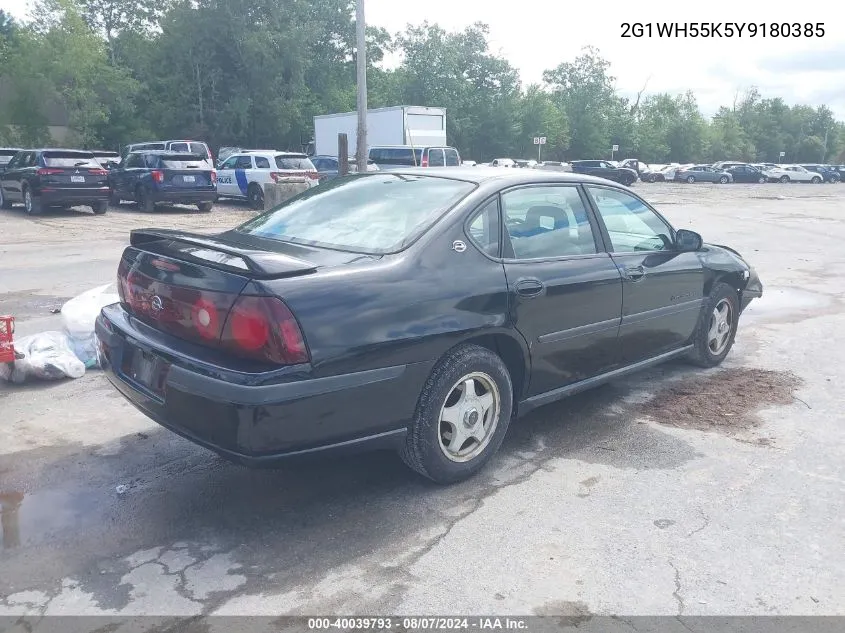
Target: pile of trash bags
65 354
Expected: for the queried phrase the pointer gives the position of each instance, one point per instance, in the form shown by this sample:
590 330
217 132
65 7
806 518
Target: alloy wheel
721 326
469 417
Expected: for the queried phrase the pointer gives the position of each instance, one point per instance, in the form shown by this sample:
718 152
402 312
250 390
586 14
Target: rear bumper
260 419
56 196
189 196
753 290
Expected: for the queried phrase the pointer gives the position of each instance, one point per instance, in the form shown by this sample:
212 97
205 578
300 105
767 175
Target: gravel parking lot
673 492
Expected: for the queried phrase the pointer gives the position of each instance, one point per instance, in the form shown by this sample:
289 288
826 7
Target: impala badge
458 246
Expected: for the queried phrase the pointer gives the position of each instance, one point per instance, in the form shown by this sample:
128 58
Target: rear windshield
374 214
69 159
295 162
396 156
182 161
8 152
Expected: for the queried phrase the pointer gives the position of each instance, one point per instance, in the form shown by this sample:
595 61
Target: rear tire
717 324
31 203
255 195
723 180
205 207
784 179
4 203
816 180
100 208
690 179
762 180
431 447
145 202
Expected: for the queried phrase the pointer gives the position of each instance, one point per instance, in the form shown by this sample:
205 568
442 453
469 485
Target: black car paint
745 173
827 172
15 179
375 327
603 169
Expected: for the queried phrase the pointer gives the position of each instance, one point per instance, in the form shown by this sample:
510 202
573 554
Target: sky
535 35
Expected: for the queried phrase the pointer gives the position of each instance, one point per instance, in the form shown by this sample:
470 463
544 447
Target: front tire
462 415
723 180
716 330
784 179
816 180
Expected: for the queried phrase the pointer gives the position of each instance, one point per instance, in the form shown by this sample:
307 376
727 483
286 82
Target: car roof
506 177
62 149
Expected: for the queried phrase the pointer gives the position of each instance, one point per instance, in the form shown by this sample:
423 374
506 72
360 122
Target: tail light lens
49 172
98 172
264 328
158 176
260 328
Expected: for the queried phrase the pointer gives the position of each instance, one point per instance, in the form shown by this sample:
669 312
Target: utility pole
361 144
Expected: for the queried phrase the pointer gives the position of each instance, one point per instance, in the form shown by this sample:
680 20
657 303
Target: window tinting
377 213
452 158
404 156
243 162
631 224
548 221
262 163
69 159
301 163
484 228
178 147
198 148
435 158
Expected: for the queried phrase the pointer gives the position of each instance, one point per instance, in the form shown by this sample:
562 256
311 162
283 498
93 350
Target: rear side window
375 213
262 163
548 221
134 160
396 156
198 148
69 159
452 158
178 147
484 228
435 158
301 163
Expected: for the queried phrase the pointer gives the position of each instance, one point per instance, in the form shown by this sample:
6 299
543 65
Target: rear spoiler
214 252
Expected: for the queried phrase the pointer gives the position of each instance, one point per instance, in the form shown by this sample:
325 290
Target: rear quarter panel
401 309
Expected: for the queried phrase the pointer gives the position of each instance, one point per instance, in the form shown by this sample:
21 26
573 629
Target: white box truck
419 126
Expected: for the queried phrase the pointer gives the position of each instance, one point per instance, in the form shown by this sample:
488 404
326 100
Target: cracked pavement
589 508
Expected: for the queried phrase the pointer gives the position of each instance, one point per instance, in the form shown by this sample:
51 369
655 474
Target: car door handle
529 287
634 273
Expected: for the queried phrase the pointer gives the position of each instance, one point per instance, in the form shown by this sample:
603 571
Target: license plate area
77 178
145 369
189 178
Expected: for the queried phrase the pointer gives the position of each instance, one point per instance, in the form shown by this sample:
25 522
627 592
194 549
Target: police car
243 175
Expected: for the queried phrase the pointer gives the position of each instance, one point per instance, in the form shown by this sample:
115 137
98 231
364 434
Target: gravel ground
673 492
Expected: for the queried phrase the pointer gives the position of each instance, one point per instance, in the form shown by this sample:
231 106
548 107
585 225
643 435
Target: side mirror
688 241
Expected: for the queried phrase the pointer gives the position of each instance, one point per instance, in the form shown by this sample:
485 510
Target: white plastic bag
79 315
47 356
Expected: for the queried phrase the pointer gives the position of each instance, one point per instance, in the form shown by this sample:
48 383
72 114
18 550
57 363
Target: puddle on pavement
779 301
30 518
726 402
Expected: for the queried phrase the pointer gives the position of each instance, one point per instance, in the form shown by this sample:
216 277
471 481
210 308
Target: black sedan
43 178
418 310
747 173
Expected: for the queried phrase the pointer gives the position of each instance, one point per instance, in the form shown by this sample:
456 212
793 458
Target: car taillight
274 176
264 328
98 172
49 172
213 177
158 176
